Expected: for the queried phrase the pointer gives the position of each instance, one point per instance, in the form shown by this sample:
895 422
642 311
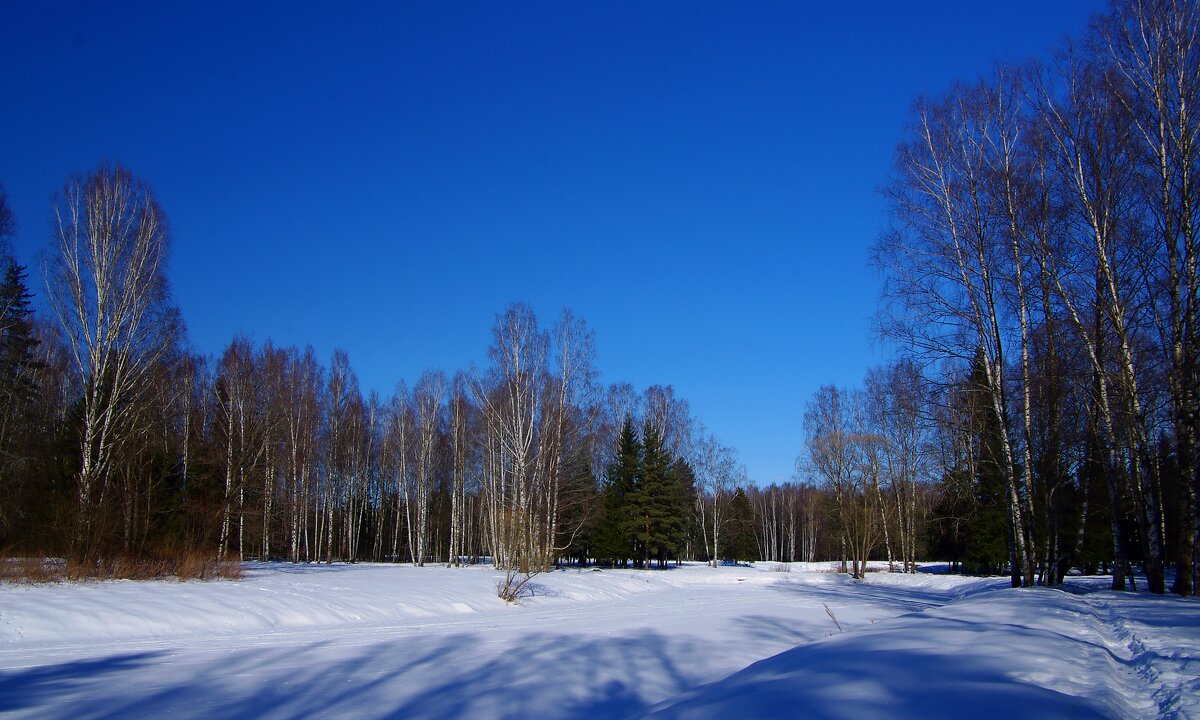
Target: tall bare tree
428 402
945 262
898 412
462 422
512 398
303 387
718 475
846 457
1153 48
107 286
1091 145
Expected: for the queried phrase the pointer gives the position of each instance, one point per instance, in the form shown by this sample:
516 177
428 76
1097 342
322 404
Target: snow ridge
1161 679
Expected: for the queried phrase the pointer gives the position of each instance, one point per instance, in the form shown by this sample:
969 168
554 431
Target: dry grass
31 570
833 618
180 566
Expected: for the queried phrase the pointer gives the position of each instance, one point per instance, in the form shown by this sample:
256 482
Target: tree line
117 439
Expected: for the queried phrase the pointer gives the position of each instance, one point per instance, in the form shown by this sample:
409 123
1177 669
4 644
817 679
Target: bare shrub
515 584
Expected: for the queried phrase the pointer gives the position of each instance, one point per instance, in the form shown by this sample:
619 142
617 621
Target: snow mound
271 597
1036 653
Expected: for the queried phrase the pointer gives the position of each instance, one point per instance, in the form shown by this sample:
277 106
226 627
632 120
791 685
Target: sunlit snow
692 642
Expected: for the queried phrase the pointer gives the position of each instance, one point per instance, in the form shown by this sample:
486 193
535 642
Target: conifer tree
613 540
656 510
18 366
740 544
17 342
989 541
684 482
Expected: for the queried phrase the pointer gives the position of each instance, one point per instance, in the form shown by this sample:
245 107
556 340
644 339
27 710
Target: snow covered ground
693 642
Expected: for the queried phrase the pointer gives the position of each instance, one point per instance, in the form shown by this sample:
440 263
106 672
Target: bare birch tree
106 284
717 474
511 398
428 397
944 263
845 458
1091 140
1153 47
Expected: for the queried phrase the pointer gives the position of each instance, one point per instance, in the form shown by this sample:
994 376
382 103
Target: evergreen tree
740 543
685 499
17 342
658 519
16 328
613 535
18 367
988 539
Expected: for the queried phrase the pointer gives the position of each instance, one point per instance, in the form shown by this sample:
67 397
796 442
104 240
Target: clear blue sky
697 180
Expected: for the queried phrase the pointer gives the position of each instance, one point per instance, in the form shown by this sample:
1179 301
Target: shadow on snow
414 677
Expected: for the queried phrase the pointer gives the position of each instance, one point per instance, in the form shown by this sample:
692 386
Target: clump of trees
871 451
1042 285
1043 270
646 502
1041 281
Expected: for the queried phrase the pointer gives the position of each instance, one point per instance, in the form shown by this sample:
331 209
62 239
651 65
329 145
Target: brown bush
31 570
184 565
203 566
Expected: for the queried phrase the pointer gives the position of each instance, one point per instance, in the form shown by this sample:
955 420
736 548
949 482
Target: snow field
399 641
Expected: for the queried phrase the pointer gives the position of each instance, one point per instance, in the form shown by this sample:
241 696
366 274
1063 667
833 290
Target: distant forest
1040 287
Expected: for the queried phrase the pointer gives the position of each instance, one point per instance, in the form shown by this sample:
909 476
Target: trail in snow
1155 643
1035 653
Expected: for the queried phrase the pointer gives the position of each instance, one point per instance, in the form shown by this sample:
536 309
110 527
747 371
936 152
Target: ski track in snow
388 641
1162 677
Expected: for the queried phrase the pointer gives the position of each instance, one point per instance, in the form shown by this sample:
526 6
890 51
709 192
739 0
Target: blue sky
697 180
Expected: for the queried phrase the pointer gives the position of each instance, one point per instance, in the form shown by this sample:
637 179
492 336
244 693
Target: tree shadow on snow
462 676
35 687
895 599
861 681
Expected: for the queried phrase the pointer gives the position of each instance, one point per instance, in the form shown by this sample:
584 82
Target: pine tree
613 535
17 343
740 543
18 367
684 480
656 512
988 537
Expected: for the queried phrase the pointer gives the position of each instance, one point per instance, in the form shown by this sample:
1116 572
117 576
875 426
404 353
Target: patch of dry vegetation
178 566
